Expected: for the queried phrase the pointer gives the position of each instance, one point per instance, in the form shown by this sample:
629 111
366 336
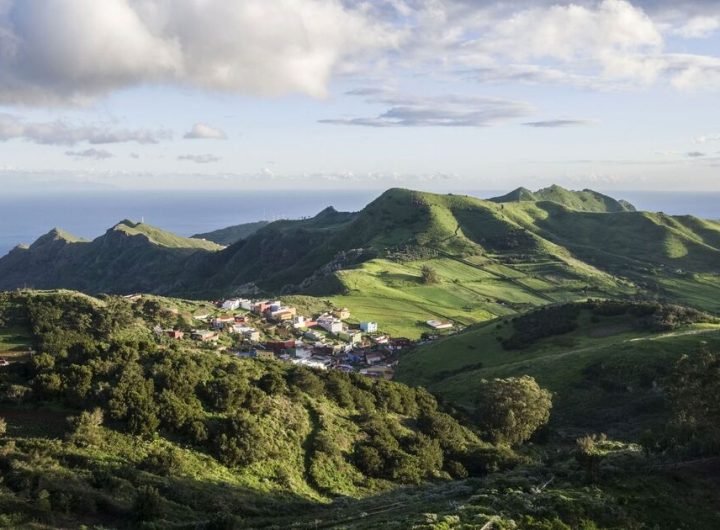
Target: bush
162 461
429 275
545 322
480 460
241 441
510 410
87 428
148 503
693 388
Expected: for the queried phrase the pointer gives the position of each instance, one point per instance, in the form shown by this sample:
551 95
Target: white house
330 323
369 327
246 304
231 304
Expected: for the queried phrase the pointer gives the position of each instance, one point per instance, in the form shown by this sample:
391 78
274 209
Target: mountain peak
330 210
125 223
586 200
54 235
160 237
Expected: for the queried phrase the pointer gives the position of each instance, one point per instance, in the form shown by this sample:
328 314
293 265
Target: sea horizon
26 216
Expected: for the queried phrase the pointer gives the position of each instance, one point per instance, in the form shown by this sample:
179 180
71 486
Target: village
267 329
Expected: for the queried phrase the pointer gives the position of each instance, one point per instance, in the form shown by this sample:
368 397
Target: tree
3 426
429 275
272 383
306 380
588 455
133 400
241 443
87 428
694 387
510 410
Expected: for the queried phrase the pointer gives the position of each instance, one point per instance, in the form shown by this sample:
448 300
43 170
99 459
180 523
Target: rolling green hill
491 258
603 360
129 257
585 200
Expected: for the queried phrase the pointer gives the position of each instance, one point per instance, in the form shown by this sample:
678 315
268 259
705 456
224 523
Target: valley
548 351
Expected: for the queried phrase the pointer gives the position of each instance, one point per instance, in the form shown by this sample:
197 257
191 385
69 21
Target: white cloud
71 51
705 138
698 27
92 153
203 131
603 44
62 133
554 124
567 32
200 159
441 111
58 51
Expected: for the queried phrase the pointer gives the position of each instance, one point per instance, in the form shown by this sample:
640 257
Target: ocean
23 218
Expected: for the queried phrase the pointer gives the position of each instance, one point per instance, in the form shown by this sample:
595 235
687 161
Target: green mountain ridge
231 234
492 258
585 200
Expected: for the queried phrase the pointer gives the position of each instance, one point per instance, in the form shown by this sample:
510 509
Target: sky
350 94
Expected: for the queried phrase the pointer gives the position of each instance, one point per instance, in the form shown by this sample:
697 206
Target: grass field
394 295
699 290
14 342
601 374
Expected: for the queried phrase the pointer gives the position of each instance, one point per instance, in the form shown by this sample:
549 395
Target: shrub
87 428
241 441
545 322
148 503
510 410
162 461
429 275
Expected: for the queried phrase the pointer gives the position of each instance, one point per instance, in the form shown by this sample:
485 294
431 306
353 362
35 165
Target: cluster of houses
269 329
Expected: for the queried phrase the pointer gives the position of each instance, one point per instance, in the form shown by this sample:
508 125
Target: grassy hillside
161 237
171 432
231 234
604 366
111 426
585 200
491 258
129 257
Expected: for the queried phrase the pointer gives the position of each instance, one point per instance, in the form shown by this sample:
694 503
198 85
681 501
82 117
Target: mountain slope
128 257
585 200
210 431
114 426
492 258
603 360
232 234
